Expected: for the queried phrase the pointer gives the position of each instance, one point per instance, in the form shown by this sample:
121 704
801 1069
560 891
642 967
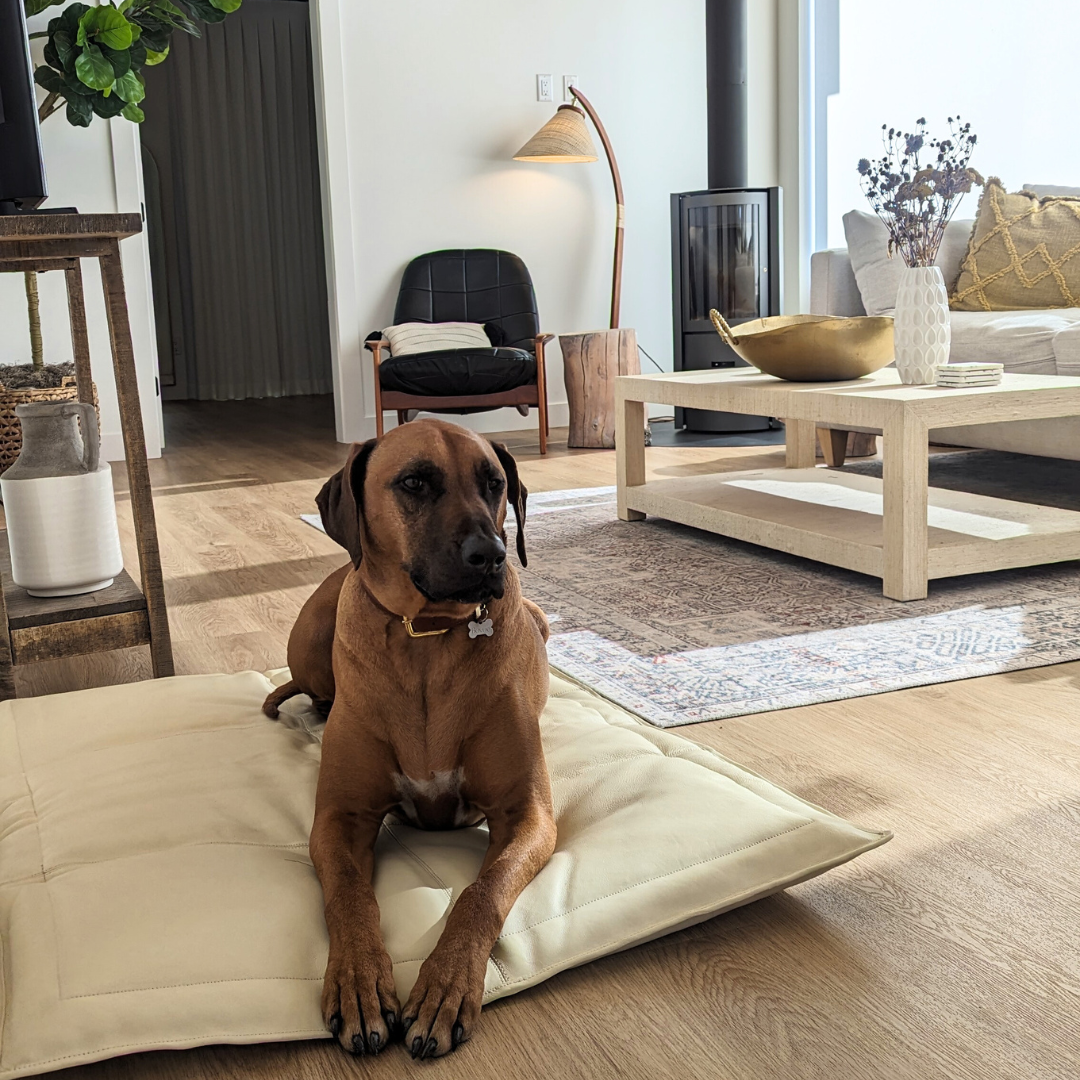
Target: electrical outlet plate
545 88
567 82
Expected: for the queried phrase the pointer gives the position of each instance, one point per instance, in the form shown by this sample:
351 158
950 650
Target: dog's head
425 507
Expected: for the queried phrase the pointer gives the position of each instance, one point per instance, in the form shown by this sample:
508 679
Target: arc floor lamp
564 139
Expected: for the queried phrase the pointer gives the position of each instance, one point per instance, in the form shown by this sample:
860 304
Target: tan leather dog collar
432 626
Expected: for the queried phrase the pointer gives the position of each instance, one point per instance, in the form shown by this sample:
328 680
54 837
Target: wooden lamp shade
565 138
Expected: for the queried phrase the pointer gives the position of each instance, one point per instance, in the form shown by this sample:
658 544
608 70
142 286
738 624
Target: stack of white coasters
970 374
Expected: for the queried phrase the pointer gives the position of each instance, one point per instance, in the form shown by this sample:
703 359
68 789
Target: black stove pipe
725 44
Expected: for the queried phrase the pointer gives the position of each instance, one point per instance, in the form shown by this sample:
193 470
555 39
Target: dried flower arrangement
916 201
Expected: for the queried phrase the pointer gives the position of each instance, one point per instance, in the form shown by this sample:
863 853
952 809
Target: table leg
142 500
629 451
904 527
7 676
80 343
833 446
800 439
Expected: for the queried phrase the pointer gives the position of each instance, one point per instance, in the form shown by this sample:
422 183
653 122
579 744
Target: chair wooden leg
378 405
541 396
402 416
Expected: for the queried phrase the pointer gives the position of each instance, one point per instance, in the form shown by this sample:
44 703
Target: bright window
1010 68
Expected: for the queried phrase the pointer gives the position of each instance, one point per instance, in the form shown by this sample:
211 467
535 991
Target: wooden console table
32 628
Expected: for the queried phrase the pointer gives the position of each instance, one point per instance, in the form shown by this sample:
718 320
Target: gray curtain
234 209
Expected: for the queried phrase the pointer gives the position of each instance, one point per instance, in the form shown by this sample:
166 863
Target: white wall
434 101
1013 78
762 94
97 170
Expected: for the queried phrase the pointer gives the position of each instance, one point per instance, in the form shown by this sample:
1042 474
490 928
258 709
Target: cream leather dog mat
155 888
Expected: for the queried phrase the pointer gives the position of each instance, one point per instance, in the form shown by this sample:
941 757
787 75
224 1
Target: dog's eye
495 484
413 484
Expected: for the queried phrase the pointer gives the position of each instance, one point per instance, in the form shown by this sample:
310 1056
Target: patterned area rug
682 626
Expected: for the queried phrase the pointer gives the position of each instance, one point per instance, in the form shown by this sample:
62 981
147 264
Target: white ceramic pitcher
58 500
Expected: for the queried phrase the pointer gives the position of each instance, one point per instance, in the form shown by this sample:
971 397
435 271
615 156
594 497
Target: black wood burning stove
725 251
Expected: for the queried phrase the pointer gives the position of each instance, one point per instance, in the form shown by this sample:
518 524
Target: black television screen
22 171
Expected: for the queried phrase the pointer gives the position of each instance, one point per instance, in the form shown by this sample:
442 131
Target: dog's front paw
359 1002
444 1005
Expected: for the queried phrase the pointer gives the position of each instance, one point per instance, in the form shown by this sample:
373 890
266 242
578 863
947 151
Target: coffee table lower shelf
836 518
36 628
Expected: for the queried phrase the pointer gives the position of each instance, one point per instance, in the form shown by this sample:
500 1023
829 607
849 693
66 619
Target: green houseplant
94 58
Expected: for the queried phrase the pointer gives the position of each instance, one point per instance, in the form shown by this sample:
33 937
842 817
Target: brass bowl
812 348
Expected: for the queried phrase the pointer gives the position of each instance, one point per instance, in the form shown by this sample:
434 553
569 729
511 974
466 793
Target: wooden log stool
591 363
37 628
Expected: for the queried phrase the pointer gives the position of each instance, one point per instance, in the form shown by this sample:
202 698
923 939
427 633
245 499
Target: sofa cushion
1024 341
1067 349
1024 253
156 890
878 274
461 372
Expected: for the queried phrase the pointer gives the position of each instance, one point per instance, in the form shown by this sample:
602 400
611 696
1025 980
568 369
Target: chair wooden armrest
543 339
375 347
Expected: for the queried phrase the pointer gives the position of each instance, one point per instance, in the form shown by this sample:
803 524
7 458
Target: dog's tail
279 695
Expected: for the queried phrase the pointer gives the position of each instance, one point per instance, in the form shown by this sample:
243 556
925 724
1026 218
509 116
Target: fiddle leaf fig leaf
94 69
48 79
79 111
72 16
153 58
111 28
36 7
226 5
130 88
120 59
133 113
106 107
64 48
205 10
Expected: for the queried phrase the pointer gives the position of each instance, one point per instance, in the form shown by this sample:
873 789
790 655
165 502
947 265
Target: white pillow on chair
417 337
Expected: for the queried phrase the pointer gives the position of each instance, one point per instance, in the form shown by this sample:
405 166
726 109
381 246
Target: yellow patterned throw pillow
1024 253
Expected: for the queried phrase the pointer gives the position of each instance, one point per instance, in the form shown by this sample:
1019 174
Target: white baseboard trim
112 447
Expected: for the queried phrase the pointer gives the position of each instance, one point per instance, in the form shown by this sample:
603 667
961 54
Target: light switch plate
545 88
567 82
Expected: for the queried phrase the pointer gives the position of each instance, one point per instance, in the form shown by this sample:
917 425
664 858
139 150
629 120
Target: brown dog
435 689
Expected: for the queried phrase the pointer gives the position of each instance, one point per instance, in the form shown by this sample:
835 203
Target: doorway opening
234 216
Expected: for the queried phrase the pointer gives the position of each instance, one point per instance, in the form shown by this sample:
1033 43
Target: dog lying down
431 667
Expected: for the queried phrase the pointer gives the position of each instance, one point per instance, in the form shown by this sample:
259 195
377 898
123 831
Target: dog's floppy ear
341 501
516 495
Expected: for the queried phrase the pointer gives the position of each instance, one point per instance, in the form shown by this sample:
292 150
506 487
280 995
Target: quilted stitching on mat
155 887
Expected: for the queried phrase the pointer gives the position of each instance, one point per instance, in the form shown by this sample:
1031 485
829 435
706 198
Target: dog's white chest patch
421 800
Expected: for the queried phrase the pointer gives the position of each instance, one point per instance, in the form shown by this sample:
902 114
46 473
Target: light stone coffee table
898 528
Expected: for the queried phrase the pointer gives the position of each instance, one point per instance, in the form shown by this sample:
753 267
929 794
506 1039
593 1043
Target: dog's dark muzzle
474 574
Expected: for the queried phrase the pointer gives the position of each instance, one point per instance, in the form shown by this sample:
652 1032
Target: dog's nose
483 552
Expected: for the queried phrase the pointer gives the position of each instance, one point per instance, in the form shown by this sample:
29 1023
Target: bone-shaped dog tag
480 629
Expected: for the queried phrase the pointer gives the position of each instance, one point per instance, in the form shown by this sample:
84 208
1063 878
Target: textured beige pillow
156 891
417 337
1024 253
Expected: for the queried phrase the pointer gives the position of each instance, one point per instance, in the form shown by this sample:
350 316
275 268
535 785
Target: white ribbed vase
921 329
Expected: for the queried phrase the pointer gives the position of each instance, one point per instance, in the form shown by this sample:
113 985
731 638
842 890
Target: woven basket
11 429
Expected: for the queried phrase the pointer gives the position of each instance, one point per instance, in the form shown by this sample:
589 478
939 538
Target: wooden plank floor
952 952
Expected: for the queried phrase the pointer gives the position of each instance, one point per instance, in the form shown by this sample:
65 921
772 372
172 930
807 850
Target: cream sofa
1045 342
